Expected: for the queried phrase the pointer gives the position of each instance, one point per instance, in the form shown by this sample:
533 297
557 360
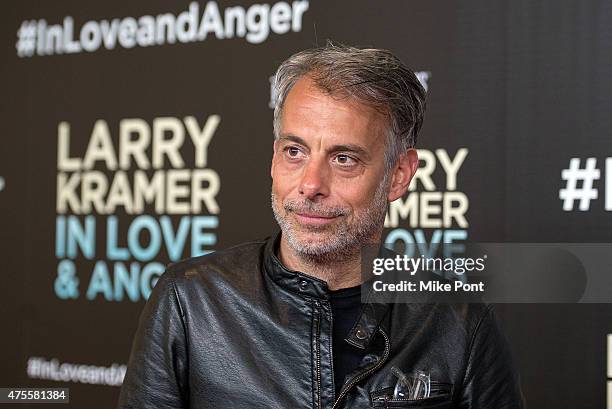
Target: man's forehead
306 90
309 111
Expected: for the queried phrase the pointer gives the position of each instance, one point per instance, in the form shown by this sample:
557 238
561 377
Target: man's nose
314 182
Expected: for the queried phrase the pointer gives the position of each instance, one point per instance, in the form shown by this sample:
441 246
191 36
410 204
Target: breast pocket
440 398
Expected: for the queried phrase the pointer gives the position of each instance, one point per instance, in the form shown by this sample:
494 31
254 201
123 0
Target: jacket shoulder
226 262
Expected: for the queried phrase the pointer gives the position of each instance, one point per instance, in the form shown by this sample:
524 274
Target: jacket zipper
317 319
365 372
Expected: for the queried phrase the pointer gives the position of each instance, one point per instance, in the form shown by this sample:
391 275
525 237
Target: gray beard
345 240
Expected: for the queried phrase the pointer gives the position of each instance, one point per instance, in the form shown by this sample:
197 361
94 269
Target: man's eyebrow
292 138
349 147
360 151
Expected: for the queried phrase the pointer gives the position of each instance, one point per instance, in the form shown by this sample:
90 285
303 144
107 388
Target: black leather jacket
237 329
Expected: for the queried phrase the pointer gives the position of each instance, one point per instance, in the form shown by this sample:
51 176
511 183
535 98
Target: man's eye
292 151
345 160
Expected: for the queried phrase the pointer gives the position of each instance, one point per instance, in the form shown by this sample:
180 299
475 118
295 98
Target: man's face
328 193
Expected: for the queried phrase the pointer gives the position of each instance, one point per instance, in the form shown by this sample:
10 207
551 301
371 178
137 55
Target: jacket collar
297 282
291 280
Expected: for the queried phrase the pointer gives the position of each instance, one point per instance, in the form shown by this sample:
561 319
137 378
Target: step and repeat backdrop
135 134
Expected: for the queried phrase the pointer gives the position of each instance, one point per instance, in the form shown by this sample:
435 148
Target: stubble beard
339 241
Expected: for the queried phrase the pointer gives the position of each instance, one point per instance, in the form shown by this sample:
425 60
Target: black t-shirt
346 306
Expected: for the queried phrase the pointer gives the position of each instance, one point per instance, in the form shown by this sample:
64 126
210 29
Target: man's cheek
282 173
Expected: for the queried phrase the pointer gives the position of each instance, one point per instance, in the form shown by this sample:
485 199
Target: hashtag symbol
585 193
26 39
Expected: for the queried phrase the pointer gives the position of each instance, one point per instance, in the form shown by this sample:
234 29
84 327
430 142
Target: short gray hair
370 76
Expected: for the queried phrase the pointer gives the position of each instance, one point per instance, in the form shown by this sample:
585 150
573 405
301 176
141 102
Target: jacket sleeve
156 375
491 380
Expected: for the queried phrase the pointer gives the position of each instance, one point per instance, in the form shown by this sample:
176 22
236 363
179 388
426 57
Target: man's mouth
313 218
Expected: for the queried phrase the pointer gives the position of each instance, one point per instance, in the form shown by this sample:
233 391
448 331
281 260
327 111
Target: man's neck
338 274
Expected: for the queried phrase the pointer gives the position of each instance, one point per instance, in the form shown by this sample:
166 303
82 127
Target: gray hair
370 76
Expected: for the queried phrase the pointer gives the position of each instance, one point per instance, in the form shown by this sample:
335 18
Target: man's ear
406 167
274 146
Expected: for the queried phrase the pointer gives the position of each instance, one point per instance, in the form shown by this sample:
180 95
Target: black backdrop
518 87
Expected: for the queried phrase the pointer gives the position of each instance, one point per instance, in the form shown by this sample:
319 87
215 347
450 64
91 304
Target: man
279 323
